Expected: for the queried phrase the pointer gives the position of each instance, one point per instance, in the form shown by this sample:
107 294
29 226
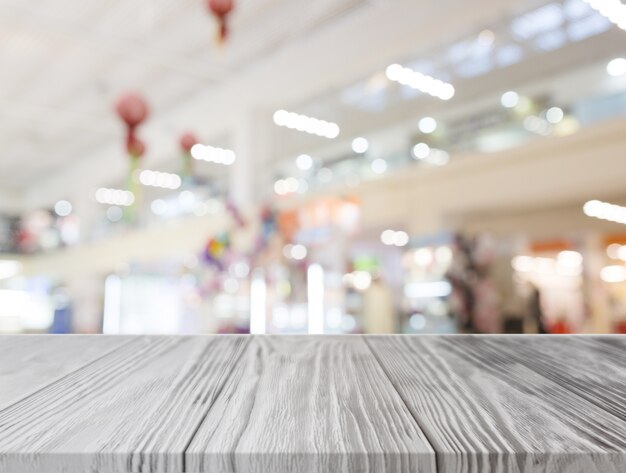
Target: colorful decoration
215 251
220 9
133 111
187 140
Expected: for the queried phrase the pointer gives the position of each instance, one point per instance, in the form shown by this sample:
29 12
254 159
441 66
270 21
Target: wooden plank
309 404
30 362
135 409
485 412
583 365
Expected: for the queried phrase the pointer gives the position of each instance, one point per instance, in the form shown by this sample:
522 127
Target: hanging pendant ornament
133 111
220 9
186 143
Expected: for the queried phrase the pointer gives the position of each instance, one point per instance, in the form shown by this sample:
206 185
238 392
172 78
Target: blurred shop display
40 230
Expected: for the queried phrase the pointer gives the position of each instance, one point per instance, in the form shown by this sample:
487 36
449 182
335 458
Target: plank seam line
218 392
69 373
382 367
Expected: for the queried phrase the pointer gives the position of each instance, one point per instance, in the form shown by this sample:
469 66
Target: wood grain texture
135 409
487 405
31 362
309 404
238 404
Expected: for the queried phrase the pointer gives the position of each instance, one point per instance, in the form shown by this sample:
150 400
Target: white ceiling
63 63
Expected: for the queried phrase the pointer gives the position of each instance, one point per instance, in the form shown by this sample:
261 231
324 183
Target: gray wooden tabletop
312 404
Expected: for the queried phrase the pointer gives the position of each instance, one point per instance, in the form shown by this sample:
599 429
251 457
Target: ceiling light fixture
213 154
164 180
613 10
605 211
360 145
115 197
427 125
422 82
616 67
313 126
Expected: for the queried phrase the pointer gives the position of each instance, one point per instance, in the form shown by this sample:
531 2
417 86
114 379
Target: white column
250 142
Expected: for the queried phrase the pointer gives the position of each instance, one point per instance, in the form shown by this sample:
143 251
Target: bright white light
400 238
427 125
280 187
605 211
570 259
212 154
522 264
421 150
286 186
387 236
304 162
443 255
315 298
394 72
292 184
114 197
509 99
158 207
616 67
112 305
423 290
164 180
298 252
258 302
392 237
360 145
361 280
423 257
9 268
621 253
197 151
306 124
63 208
422 82
613 250
613 274
379 166
554 115
613 10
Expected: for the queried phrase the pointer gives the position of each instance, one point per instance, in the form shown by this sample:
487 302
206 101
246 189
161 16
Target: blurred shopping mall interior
297 166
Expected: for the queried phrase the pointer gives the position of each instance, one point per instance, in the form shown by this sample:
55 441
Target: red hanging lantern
220 9
132 109
135 147
187 141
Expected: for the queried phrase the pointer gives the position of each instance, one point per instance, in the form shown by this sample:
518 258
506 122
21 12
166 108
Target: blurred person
535 310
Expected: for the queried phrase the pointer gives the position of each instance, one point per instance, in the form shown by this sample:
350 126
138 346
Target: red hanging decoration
220 9
132 109
187 141
135 147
